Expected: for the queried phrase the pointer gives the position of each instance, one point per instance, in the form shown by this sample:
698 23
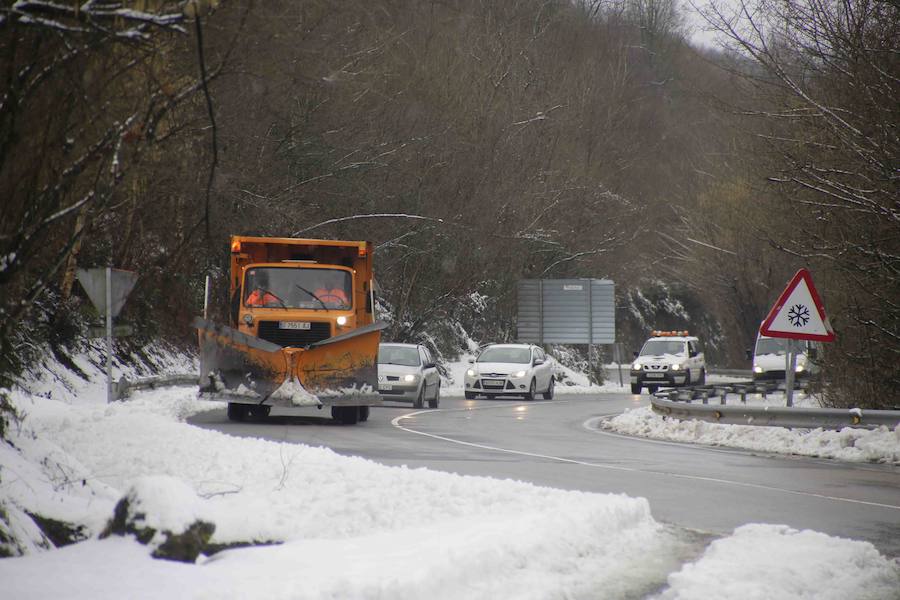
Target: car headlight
342 320
676 367
799 368
636 366
471 373
757 369
519 374
409 378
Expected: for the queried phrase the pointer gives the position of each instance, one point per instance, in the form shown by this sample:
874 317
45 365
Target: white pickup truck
668 359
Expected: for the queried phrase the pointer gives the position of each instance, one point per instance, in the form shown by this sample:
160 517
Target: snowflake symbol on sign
798 315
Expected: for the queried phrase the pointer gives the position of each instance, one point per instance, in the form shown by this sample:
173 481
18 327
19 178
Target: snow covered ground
344 527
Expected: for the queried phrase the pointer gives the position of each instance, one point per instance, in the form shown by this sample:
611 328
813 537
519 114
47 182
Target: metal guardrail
729 372
124 386
694 403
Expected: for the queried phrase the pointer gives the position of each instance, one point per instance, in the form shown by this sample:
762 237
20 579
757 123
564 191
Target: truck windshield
657 347
771 346
297 287
506 355
398 355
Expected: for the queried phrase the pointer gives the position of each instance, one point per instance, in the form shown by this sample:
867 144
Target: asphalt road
557 444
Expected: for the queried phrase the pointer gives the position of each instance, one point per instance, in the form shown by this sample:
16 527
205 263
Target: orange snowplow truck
302 330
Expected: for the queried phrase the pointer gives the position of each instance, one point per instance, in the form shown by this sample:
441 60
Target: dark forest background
475 143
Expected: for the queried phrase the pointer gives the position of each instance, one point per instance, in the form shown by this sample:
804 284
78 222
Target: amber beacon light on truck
301 329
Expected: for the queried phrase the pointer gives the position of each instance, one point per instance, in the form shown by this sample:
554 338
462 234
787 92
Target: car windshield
398 355
657 347
506 355
297 287
771 346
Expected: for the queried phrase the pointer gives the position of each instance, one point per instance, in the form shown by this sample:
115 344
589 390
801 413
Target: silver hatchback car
407 373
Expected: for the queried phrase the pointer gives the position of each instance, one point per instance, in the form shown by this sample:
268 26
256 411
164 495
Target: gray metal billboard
566 311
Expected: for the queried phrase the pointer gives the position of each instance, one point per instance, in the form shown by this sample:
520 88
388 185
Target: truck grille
296 338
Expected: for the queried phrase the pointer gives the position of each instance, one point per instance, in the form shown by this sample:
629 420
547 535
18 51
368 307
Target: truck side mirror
635 354
749 353
813 352
471 361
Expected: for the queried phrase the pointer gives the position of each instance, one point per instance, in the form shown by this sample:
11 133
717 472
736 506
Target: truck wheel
346 415
687 378
702 379
652 388
363 413
635 388
237 412
470 395
258 413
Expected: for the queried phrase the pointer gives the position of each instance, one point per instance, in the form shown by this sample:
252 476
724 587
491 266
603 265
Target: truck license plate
386 386
656 375
294 325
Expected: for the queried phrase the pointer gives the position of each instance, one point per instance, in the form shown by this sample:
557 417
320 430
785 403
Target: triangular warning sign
798 314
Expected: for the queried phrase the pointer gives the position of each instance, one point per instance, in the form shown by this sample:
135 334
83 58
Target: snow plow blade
240 368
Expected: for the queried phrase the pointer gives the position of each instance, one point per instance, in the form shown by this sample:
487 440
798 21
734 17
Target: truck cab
295 292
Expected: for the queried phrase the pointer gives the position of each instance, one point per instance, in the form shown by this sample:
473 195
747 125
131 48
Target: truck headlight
676 367
248 319
342 320
636 366
757 369
519 374
799 368
409 378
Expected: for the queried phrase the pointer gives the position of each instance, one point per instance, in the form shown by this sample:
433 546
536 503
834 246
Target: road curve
556 443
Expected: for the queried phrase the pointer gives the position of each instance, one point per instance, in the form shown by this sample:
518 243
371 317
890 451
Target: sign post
108 288
798 314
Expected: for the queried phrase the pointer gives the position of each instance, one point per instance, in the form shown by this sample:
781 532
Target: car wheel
530 395
470 395
548 395
419 402
237 412
433 403
702 379
635 388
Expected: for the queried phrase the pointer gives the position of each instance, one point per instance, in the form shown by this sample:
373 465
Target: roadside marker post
798 314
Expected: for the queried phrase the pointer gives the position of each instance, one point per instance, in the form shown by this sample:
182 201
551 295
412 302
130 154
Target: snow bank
775 562
855 445
345 527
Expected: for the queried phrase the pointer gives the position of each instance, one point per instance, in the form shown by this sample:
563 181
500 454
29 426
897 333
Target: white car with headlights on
668 359
510 370
407 372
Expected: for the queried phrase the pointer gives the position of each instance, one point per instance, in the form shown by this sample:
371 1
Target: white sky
352 528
